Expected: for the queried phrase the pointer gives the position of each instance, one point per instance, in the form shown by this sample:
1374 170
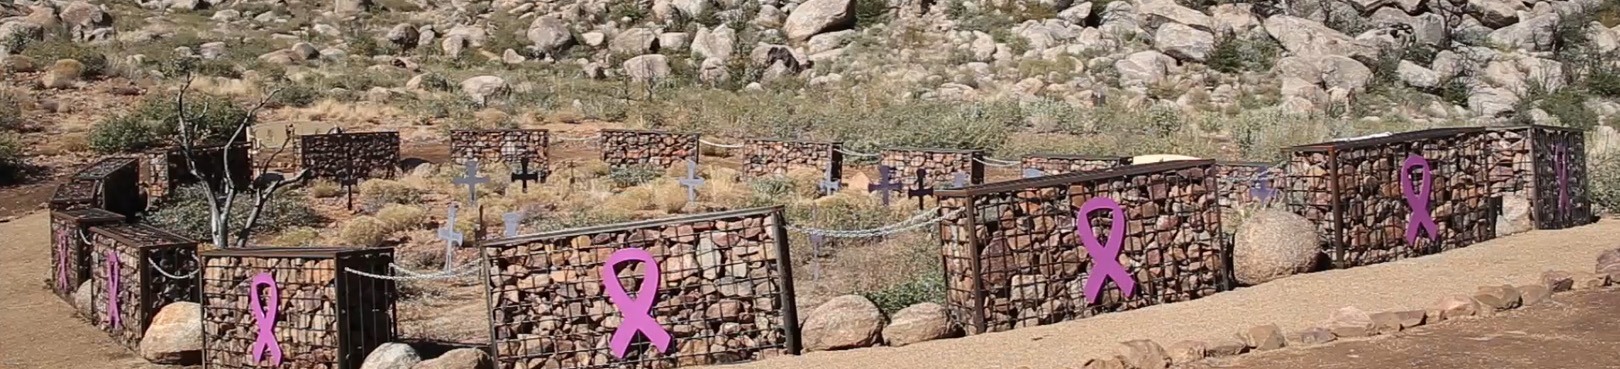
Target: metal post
784 262
974 250
1339 244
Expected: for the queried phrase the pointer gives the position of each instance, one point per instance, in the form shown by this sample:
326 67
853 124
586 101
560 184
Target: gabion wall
940 165
508 146
771 157
1054 164
125 291
1530 160
165 170
627 148
320 314
345 157
70 249
1014 256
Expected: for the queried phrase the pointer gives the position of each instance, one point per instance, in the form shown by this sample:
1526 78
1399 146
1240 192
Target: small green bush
121 134
10 112
1605 177
1569 106
927 288
10 158
1244 54
186 212
95 63
155 120
633 176
295 96
868 13
387 191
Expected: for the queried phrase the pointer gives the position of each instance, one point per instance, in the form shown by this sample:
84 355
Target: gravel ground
1293 303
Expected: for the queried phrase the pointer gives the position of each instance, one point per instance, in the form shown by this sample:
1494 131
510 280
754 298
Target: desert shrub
95 63
924 288
186 212
121 134
10 158
1244 54
1605 177
633 176
1569 106
324 188
10 112
295 96
630 200
363 231
669 196
868 13
301 236
397 217
387 191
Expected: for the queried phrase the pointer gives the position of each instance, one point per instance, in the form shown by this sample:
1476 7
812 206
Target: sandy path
1293 303
38 329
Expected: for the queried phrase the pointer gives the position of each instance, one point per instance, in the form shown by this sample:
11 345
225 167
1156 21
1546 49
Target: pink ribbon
1418 199
1104 256
113 315
1562 158
636 311
265 318
62 260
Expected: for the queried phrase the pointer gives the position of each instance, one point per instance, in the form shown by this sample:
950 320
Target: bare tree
222 194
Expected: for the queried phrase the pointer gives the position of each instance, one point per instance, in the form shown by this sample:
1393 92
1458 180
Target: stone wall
1054 164
1013 256
723 292
346 157
1525 160
164 170
129 251
1352 191
628 148
940 165
772 157
70 251
508 146
326 317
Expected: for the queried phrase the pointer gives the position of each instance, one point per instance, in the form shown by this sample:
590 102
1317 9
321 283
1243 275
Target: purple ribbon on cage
1563 177
1104 255
636 311
1418 199
264 317
62 260
113 280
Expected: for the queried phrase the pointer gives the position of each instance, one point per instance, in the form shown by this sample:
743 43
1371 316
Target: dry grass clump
388 191
669 196
324 188
630 200
364 231
301 236
398 217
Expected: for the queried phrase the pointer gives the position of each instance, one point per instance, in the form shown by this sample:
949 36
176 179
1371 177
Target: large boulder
1515 217
1416 75
549 34
175 335
844 322
1273 244
403 35
1304 37
646 68
464 358
719 42
1144 354
917 323
1184 43
1492 101
1608 263
63 74
350 7
484 88
1496 13
1539 33
1144 68
1263 337
817 16
1235 19
1349 322
82 18
392 355
1161 12
82 299
19 30
634 41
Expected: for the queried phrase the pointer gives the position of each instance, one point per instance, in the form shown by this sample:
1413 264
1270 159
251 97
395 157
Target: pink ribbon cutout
113 316
1562 158
62 260
1418 199
636 311
1104 256
265 318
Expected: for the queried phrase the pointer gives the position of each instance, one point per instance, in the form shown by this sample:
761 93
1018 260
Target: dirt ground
1578 330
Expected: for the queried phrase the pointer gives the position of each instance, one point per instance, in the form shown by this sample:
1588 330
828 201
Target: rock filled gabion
70 249
627 148
326 316
771 157
122 258
508 146
350 157
165 170
1352 191
1030 267
1051 164
1249 184
940 165
1526 160
723 293
110 183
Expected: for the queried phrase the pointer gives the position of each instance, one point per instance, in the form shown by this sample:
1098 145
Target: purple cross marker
1261 188
691 182
471 180
959 180
923 189
1032 173
510 224
885 183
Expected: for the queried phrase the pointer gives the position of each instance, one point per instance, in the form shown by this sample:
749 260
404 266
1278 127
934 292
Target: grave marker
885 183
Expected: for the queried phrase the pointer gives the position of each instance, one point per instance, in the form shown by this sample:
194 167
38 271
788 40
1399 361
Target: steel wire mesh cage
126 287
70 247
304 302
632 148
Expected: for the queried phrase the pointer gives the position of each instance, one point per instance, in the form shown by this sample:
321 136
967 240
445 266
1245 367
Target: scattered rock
1114 362
817 16
1183 42
63 74
1160 13
1515 217
1304 37
828 41
917 323
1226 348
463 358
1184 352
19 30
1273 244
645 68
392 355
1312 337
549 34
593 38
1588 281
1558 280
1452 307
673 40
1145 354
1417 76
82 299
1496 13
175 335
634 41
1498 297
845 322
1263 337
513 57
453 45
1391 322
719 42
1144 68
714 70
1608 263
402 35
1532 294
484 88
17 64
350 7
1350 322
1534 34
